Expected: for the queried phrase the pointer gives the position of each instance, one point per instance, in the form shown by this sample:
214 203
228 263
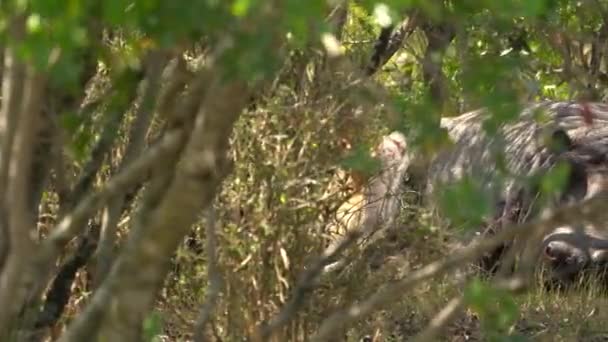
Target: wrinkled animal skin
532 149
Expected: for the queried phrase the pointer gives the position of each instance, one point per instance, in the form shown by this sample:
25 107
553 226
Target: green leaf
240 7
496 308
152 327
360 160
465 202
556 179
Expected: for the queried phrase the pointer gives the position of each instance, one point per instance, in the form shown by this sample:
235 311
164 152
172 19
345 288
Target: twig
441 320
214 278
456 304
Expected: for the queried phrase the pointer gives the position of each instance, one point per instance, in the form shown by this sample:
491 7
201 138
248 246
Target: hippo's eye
596 159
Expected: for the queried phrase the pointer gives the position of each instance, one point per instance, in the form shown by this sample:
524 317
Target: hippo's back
472 153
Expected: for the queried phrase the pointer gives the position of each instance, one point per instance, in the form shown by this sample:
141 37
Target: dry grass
577 315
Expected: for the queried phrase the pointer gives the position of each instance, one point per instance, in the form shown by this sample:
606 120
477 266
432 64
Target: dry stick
441 320
214 276
456 304
591 209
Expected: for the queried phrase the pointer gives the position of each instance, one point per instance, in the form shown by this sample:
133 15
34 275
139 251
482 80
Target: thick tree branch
56 299
13 74
132 284
59 292
20 219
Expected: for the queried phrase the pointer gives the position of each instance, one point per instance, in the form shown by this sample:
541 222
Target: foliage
269 107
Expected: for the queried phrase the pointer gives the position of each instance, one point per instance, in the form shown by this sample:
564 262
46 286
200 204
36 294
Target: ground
577 315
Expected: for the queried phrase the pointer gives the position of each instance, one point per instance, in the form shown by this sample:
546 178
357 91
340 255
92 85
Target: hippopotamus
542 136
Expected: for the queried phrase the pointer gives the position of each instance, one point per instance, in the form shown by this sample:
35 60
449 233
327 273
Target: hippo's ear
560 141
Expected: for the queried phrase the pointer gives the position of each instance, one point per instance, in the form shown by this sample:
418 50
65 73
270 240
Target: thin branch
337 18
137 134
456 304
59 181
123 95
589 210
214 277
441 320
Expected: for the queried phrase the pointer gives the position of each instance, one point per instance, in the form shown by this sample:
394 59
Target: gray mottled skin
568 249
525 151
